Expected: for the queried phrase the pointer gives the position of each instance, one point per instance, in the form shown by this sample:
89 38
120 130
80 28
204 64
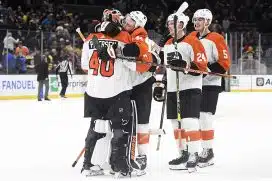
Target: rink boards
25 86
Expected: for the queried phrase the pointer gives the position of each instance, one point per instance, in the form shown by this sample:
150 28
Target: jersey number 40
105 68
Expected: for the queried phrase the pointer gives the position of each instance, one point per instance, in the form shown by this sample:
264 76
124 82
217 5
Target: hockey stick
177 82
134 59
80 34
182 7
78 157
160 65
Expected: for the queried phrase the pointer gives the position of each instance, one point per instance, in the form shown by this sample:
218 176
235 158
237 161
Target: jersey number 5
106 68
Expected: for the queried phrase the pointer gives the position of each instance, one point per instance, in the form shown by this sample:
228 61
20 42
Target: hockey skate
94 170
123 169
179 163
139 165
122 173
192 162
206 158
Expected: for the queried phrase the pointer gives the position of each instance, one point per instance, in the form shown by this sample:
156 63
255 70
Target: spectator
9 42
226 24
21 52
9 63
42 78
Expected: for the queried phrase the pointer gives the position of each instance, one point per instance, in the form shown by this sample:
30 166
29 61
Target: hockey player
134 23
187 52
108 108
219 61
144 50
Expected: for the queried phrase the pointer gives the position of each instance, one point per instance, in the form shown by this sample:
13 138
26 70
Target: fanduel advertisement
25 85
17 84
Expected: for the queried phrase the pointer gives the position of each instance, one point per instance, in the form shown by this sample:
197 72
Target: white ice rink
40 140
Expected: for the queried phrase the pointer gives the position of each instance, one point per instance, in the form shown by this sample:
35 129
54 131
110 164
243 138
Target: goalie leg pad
119 159
90 143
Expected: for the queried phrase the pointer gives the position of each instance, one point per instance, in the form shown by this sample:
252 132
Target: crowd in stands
50 28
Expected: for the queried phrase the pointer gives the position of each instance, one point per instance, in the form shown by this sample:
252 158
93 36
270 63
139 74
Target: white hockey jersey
216 51
106 79
191 50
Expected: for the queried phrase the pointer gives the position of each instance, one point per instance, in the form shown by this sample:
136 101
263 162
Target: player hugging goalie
116 86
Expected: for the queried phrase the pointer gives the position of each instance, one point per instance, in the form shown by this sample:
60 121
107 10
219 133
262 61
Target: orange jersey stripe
222 48
141 67
194 33
138 36
169 41
143 138
200 58
192 136
207 135
178 133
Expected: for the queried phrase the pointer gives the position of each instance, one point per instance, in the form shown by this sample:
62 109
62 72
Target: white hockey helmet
139 18
203 13
181 18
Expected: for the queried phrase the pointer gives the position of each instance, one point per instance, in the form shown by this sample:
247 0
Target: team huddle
121 67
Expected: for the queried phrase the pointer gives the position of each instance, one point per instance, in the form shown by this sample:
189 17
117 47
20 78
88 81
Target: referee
62 69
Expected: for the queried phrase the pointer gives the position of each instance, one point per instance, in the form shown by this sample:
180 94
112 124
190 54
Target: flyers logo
174 56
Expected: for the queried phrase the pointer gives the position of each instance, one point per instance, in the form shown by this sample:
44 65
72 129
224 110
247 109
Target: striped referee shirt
63 67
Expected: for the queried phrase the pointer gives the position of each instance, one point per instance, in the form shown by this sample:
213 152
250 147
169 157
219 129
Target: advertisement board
262 83
251 83
26 86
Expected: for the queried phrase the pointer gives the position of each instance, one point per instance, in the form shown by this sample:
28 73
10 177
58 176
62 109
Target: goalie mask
112 15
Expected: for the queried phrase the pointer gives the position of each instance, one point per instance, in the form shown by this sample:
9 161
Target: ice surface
40 140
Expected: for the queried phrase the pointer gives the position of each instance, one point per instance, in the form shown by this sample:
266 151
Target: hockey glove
103 54
110 28
131 50
159 91
216 67
193 67
176 64
174 59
